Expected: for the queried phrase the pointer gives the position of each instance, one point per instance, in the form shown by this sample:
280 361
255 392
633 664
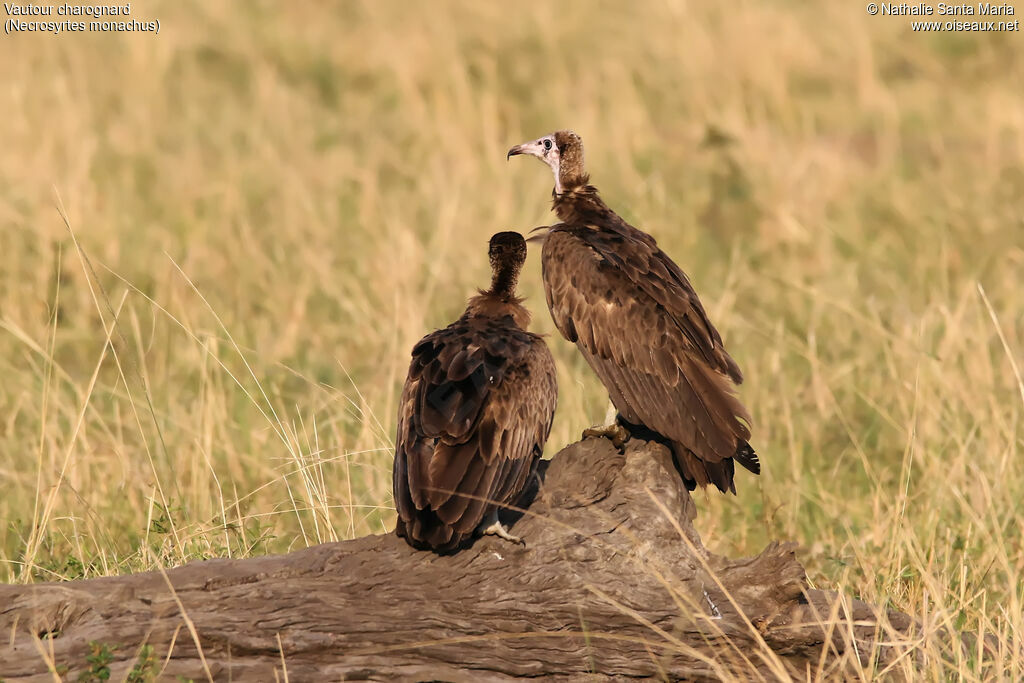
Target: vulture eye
547 145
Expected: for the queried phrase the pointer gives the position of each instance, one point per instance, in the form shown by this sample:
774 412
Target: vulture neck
504 279
501 300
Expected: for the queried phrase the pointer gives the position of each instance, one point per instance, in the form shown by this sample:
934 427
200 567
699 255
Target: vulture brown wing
647 342
475 413
639 258
523 410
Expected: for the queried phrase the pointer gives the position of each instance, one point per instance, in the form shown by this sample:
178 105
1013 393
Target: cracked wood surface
613 583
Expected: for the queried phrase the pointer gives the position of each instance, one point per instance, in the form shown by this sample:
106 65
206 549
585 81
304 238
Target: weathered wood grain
613 583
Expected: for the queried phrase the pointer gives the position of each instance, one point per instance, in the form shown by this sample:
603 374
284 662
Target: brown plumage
475 412
637 320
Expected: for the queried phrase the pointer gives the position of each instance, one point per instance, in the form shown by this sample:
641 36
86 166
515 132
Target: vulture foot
492 527
614 432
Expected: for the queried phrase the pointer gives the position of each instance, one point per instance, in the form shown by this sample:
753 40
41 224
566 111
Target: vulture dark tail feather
746 456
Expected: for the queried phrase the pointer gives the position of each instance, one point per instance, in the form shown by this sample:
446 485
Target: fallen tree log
613 582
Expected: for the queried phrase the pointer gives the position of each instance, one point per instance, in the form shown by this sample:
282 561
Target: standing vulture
474 415
637 320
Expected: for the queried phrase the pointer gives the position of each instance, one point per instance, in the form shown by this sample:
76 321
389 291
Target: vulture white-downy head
562 151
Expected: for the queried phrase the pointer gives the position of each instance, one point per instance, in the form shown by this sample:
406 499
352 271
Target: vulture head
507 252
563 152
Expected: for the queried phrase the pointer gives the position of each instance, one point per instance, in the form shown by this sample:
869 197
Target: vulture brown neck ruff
639 323
474 415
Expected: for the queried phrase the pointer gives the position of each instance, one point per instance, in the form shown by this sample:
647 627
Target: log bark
613 582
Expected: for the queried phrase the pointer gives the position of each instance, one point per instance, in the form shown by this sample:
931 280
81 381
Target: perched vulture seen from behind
474 414
637 320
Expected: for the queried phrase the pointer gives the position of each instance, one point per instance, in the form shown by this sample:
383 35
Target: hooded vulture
636 318
474 414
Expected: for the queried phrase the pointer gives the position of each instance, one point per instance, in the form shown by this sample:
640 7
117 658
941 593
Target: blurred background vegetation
268 204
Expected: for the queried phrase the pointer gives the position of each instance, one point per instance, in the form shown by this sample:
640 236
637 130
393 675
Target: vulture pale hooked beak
534 148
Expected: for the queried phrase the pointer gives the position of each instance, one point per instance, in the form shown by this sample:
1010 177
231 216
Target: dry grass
271 206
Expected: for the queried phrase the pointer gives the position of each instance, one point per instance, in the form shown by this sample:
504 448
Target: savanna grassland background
267 204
